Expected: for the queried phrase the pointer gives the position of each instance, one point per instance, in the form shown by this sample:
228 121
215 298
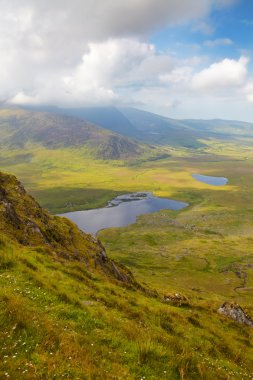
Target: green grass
68 169
57 322
62 319
60 200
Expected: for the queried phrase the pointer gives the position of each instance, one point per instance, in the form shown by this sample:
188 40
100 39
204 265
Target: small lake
121 211
215 181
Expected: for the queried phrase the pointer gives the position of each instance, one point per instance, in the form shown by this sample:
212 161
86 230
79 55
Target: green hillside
20 129
68 311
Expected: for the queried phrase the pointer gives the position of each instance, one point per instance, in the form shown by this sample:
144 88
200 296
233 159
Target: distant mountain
162 130
156 129
140 125
106 117
186 132
221 128
20 127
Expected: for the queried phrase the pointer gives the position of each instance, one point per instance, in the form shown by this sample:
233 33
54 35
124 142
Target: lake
209 180
121 211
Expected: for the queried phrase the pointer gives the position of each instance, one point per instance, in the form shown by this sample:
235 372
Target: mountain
109 118
162 130
227 129
156 129
140 125
185 132
19 128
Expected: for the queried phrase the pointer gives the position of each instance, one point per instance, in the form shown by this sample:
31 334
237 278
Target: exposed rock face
235 312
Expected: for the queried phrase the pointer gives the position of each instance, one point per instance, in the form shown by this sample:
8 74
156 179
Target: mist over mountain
156 129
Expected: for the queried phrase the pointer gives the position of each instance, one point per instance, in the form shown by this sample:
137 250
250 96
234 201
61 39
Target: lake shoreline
121 211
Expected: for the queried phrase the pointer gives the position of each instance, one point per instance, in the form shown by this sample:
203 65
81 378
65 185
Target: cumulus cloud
179 75
89 52
106 70
47 46
99 19
223 74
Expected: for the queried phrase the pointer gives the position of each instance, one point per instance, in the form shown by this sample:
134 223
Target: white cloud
220 75
87 52
218 42
43 41
105 70
179 75
249 91
105 67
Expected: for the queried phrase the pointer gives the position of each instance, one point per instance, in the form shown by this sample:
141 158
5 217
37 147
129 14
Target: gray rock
235 312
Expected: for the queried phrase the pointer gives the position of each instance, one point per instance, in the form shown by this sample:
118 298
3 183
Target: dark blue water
121 211
215 181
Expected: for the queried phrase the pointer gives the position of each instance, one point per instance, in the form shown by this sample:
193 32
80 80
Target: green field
216 228
64 314
203 252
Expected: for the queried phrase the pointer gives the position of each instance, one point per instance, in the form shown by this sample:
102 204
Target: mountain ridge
152 128
20 127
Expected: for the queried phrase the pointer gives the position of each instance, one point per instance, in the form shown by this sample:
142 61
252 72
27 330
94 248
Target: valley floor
204 252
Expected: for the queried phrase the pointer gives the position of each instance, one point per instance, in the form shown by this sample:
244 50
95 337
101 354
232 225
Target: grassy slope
62 317
204 252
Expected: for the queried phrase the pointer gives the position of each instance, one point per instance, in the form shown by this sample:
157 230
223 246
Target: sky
178 58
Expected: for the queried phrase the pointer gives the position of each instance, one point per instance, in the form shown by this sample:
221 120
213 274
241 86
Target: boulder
235 312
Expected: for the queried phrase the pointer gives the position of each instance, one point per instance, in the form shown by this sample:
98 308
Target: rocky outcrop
235 312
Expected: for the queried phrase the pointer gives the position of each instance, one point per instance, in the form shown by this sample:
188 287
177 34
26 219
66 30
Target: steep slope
68 311
18 128
109 118
24 221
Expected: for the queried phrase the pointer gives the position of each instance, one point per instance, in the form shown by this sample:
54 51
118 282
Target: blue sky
234 23
224 33
179 58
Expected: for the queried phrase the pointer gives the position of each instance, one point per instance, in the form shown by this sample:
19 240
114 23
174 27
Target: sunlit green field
206 249
53 175
192 248
204 252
